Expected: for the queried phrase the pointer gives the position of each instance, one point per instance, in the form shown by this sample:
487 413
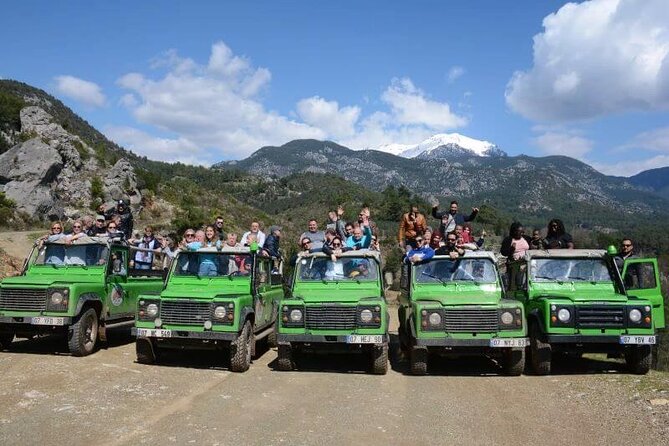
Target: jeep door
120 300
265 293
642 280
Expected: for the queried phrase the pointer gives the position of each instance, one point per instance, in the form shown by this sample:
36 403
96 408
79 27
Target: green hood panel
345 292
46 281
207 289
453 294
578 292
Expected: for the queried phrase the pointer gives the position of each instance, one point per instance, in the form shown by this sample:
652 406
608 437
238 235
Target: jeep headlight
506 318
58 299
635 315
151 310
295 315
434 319
564 315
366 316
220 312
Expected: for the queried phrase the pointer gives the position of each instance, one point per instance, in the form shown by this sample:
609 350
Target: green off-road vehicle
576 302
335 306
213 299
456 307
79 289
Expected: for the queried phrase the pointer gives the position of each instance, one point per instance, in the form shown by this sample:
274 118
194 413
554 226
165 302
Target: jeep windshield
479 270
212 264
78 254
569 270
343 269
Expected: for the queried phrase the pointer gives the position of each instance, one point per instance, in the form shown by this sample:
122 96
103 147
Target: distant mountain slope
655 180
534 188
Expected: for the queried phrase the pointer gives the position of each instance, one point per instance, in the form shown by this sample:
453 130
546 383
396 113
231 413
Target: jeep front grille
600 316
184 312
471 320
22 299
331 318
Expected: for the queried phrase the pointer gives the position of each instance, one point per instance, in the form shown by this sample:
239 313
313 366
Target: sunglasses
111 227
56 228
336 244
418 240
451 239
190 235
626 245
76 226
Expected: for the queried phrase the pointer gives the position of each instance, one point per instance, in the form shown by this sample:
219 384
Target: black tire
241 349
83 335
639 359
6 340
513 361
540 352
380 359
146 351
418 360
284 360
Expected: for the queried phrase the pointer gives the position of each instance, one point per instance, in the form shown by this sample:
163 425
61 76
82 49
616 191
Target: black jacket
272 245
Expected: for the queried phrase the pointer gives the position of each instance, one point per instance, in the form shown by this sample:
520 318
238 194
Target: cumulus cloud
454 73
88 93
218 105
326 115
596 58
563 143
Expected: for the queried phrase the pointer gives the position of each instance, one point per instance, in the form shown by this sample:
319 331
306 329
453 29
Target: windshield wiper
577 278
435 277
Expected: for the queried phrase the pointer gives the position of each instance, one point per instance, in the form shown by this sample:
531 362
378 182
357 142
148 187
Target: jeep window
58 254
211 264
569 270
640 276
346 269
449 270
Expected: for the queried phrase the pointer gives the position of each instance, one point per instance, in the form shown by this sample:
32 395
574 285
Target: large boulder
30 161
121 182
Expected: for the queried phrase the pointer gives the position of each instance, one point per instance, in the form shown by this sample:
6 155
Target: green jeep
457 307
576 302
80 289
335 306
213 299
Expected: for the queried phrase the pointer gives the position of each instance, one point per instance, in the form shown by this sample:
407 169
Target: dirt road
48 397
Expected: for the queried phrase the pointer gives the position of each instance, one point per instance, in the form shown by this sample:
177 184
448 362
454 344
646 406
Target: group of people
453 236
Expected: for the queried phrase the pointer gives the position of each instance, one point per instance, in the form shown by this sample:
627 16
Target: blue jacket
364 241
424 251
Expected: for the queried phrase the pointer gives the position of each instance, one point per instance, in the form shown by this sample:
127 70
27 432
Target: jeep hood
581 292
344 292
453 294
207 289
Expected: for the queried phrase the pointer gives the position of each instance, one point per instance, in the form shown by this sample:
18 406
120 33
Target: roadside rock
121 182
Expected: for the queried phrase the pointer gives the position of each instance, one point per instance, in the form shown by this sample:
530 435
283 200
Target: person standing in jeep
449 219
123 211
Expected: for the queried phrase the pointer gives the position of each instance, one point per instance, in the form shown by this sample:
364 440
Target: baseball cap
100 217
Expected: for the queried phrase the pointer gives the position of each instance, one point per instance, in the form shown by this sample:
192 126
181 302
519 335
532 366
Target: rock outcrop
49 174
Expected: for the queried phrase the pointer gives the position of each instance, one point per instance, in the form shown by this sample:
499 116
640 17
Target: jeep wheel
513 362
146 351
380 359
284 359
639 359
6 340
241 349
418 360
540 352
83 335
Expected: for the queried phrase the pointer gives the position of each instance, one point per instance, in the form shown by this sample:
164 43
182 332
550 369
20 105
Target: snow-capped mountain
444 145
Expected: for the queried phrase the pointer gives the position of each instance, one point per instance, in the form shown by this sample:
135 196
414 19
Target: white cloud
326 115
177 149
454 73
596 58
656 140
563 143
631 167
218 105
411 106
88 93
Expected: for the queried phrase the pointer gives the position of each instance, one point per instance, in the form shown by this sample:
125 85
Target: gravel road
48 397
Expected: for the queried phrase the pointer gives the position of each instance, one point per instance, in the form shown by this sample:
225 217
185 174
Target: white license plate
45 320
509 342
364 339
154 333
637 340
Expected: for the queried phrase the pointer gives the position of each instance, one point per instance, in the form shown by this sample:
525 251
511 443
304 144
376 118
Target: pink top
520 246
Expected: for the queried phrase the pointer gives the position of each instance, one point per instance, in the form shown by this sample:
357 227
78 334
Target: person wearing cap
123 211
99 228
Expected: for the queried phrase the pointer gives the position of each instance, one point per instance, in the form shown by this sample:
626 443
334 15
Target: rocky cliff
51 174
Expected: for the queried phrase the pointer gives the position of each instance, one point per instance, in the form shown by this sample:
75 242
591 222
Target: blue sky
204 81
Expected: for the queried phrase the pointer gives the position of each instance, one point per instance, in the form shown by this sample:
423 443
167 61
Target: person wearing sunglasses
54 254
421 252
557 237
77 232
112 229
451 247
